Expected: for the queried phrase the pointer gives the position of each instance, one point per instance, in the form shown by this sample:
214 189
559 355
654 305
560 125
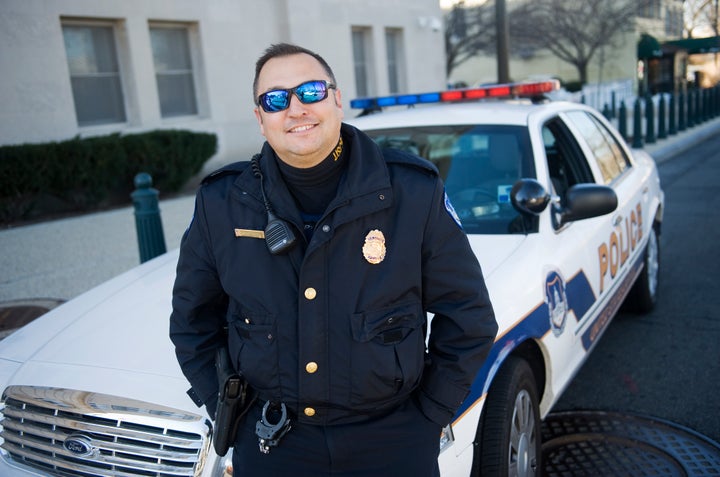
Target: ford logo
79 445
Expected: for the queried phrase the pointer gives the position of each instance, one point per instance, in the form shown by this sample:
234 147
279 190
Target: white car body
107 353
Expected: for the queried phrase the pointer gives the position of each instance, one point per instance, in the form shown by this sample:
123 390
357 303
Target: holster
235 398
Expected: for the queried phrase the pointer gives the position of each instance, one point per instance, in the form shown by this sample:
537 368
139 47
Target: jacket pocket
253 345
388 351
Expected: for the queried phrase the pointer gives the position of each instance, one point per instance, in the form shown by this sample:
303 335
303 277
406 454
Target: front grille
75 433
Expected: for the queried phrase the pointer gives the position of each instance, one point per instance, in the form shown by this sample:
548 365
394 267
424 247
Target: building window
173 70
396 70
94 73
651 9
362 60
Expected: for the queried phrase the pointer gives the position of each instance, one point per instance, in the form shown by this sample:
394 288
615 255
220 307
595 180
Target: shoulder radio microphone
279 236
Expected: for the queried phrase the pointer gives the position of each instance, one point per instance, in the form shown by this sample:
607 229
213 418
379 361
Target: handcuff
269 434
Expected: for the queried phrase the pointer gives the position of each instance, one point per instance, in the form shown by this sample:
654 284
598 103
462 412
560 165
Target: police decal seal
374 247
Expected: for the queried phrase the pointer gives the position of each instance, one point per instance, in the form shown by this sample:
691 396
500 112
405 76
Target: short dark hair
286 49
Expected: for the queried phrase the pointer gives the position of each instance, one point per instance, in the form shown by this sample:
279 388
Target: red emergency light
512 90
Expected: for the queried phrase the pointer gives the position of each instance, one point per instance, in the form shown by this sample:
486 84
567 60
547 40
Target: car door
570 252
617 256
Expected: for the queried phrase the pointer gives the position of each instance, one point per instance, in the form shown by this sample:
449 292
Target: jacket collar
367 177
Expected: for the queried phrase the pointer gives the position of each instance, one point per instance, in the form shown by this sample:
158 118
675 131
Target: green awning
697 45
648 47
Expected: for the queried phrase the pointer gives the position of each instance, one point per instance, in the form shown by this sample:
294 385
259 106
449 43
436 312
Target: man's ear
338 97
258 116
338 102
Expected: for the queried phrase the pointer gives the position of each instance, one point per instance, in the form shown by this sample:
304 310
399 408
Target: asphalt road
666 364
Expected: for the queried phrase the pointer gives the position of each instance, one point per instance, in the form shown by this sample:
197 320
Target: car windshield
479 165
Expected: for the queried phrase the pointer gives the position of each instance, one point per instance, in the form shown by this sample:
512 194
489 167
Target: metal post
606 112
151 240
672 113
662 130
503 41
691 108
637 126
682 124
622 120
650 118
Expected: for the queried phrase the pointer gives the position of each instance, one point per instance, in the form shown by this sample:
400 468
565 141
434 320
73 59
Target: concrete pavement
61 259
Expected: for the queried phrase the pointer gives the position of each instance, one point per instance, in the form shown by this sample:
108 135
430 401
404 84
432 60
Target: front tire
508 437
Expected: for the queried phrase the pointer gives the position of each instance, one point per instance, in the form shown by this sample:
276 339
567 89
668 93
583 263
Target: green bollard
151 240
650 118
622 120
662 130
682 124
691 108
700 116
672 113
613 105
637 126
606 112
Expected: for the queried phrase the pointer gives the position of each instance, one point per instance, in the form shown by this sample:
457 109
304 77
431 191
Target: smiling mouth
303 128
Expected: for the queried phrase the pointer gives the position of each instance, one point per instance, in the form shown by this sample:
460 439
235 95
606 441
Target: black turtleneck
315 187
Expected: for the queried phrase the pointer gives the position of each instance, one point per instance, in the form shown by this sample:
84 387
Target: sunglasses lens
307 93
274 101
311 92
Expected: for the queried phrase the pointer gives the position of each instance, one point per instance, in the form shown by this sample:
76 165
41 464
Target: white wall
35 87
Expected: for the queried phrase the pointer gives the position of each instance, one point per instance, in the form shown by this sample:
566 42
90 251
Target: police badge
374 247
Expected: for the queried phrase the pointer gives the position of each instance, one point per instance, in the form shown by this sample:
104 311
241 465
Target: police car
565 220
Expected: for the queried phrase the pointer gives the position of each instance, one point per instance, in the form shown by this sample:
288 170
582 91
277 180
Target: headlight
446 437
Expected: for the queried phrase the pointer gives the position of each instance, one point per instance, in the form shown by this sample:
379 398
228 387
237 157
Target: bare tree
701 16
469 31
573 31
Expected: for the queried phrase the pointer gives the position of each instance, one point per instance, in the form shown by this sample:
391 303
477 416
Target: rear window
479 165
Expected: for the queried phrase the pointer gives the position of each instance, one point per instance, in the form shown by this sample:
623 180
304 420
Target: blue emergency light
512 90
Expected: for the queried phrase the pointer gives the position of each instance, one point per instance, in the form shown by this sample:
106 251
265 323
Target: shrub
89 173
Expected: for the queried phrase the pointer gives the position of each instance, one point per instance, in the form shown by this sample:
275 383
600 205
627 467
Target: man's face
303 134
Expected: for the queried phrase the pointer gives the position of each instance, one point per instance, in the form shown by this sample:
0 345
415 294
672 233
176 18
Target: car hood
493 250
112 339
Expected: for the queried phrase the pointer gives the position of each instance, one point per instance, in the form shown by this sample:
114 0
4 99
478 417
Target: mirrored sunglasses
308 93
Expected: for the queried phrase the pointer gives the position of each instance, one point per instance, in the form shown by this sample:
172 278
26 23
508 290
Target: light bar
513 90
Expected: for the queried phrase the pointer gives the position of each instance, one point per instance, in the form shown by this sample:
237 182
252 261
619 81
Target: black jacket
321 328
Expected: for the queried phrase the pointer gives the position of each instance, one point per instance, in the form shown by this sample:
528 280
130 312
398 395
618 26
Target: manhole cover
15 314
593 443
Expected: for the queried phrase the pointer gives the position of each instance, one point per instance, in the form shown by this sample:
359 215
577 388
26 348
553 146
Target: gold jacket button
310 293
309 412
311 367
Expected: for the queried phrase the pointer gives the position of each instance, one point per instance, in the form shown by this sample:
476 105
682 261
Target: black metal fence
657 117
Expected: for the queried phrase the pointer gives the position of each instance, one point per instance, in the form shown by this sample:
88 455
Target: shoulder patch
397 156
451 211
231 169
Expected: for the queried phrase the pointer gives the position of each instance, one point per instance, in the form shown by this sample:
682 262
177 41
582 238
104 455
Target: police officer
317 263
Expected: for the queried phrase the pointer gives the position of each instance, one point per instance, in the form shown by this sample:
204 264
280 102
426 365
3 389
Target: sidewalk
61 259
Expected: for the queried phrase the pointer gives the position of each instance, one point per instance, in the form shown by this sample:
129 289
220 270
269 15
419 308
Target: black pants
402 443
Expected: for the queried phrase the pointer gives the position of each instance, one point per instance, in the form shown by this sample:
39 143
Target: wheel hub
523 456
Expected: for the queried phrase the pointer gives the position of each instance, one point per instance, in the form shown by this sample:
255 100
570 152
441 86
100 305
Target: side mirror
583 201
528 196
